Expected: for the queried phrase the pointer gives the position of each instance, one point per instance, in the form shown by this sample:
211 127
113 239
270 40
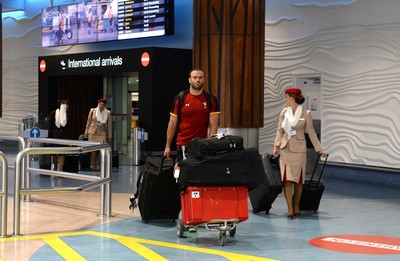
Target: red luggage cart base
214 208
222 226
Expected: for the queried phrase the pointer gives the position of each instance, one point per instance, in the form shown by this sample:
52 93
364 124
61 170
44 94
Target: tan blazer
298 141
95 127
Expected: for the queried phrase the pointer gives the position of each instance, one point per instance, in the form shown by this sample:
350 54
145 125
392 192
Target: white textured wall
355 47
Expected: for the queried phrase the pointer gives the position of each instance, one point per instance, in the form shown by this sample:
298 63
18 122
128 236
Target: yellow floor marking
62 248
135 244
138 248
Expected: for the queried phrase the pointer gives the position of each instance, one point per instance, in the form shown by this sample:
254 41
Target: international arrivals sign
88 62
98 62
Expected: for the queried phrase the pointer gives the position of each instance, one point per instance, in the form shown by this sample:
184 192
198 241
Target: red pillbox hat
102 100
293 91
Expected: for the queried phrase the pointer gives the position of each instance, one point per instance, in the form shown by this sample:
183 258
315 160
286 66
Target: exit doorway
122 93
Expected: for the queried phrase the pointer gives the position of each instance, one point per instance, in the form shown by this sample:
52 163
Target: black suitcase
264 195
71 163
158 191
238 168
313 190
84 158
115 159
84 161
45 161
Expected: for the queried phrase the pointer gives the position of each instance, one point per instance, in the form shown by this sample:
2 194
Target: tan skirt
292 165
97 138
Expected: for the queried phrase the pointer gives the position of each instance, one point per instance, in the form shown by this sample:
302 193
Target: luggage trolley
215 208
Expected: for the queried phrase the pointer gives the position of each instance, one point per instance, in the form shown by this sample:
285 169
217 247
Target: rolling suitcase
313 189
264 195
115 152
71 163
115 159
84 161
158 191
45 161
84 158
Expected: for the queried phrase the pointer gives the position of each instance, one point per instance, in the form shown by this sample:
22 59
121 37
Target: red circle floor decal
358 244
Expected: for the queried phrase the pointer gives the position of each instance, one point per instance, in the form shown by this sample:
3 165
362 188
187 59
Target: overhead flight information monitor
142 18
95 21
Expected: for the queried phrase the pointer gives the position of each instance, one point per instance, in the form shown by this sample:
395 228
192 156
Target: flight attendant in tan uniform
290 146
98 126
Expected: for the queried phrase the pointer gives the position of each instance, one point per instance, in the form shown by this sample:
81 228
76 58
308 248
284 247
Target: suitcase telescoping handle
315 168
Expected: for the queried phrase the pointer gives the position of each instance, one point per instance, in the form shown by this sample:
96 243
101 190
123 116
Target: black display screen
94 21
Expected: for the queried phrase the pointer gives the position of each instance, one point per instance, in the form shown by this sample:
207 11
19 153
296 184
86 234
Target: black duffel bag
214 145
238 168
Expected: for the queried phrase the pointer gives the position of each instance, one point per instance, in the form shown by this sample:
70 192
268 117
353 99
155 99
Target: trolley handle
315 168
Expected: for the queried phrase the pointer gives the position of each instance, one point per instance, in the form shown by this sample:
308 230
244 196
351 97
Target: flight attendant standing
98 127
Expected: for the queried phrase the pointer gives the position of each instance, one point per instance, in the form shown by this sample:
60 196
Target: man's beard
197 87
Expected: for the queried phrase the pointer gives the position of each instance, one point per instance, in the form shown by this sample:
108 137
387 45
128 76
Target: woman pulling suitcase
290 146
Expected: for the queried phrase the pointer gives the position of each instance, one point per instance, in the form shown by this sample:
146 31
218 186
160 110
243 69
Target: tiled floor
360 216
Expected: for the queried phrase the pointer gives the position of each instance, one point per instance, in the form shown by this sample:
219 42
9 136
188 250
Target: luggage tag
177 170
133 204
221 134
183 152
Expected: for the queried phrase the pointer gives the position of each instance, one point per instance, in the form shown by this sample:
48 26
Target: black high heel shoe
290 215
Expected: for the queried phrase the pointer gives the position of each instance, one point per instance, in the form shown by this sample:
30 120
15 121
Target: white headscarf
101 115
291 120
61 116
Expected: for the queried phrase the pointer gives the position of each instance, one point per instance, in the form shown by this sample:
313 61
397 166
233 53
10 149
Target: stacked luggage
211 188
215 179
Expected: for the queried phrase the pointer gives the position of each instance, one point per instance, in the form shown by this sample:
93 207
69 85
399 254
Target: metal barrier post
20 169
136 146
107 186
105 189
102 187
4 190
4 195
17 196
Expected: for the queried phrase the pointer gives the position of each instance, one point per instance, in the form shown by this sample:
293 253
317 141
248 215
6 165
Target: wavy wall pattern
20 94
325 4
360 90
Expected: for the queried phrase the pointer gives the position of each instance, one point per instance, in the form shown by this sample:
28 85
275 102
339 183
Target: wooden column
229 47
